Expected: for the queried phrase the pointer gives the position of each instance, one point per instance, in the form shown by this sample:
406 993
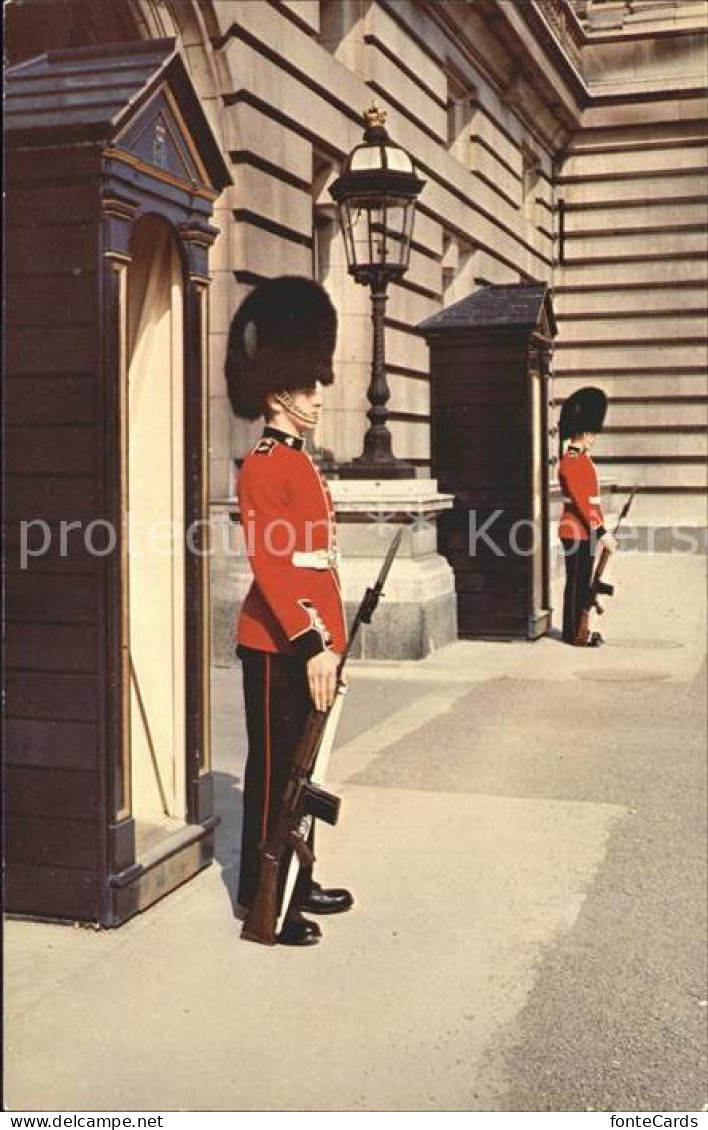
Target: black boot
298 931
325 900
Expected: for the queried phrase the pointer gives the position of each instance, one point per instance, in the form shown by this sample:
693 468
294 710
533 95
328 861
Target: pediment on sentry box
158 137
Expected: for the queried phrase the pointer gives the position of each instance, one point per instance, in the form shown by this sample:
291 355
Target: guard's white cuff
317 559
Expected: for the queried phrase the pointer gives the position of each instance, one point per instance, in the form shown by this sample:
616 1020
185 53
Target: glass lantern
376 197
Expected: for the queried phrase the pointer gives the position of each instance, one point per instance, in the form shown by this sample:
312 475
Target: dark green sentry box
112 175
490 360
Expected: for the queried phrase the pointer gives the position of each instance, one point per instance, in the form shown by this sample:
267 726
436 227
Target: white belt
594 498
318 559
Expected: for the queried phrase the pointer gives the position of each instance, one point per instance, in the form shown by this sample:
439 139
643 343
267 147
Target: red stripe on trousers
266 731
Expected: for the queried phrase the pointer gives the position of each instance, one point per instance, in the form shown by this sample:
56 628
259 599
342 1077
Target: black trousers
277 700
579 561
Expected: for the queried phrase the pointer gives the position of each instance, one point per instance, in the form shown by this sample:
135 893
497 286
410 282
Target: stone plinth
419 611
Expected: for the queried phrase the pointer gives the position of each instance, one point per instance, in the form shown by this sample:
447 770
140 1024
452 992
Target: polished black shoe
297 931
595 639
321 900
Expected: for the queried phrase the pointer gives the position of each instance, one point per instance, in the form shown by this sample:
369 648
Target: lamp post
375 197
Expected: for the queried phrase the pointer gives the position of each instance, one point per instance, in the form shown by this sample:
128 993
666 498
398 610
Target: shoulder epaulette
265 446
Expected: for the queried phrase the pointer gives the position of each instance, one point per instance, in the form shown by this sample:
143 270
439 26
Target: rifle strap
297 842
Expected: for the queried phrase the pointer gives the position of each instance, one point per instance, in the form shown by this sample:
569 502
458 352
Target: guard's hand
322 678
608 542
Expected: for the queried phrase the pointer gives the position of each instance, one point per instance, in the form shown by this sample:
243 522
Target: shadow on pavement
228 804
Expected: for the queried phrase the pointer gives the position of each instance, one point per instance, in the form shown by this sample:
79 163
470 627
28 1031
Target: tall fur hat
583 411
282 338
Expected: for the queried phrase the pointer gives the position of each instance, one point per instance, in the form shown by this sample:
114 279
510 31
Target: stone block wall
295 79
509 111
631 282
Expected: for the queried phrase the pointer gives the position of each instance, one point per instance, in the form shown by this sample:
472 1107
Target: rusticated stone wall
631 284
561 141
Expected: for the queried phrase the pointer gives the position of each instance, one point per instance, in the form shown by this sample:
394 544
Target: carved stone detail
560 18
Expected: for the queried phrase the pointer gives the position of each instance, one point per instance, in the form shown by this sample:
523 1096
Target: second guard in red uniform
291 630
581 526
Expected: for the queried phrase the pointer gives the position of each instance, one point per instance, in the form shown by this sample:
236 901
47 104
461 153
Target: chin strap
286 402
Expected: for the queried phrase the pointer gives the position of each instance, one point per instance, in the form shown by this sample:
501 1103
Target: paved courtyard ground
523 826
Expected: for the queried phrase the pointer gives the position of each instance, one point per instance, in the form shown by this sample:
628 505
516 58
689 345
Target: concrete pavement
523 826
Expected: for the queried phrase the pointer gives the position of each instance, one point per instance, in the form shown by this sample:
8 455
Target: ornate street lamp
376 196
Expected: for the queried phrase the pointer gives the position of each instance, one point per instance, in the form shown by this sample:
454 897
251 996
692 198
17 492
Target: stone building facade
631 253
560 141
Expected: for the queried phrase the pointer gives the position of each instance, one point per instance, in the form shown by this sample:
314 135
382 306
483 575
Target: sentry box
112 174
491 364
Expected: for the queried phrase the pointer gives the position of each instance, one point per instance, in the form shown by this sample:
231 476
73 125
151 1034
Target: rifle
598 587
302 799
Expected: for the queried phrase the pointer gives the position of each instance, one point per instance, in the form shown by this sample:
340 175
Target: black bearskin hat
583 411
282 338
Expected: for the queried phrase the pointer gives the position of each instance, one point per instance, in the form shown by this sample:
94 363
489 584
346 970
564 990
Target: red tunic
294 606
582 513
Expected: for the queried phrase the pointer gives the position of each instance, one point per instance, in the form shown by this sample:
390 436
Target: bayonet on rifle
625 509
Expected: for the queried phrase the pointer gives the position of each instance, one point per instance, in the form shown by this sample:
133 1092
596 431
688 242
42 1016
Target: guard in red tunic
291 630
581 526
